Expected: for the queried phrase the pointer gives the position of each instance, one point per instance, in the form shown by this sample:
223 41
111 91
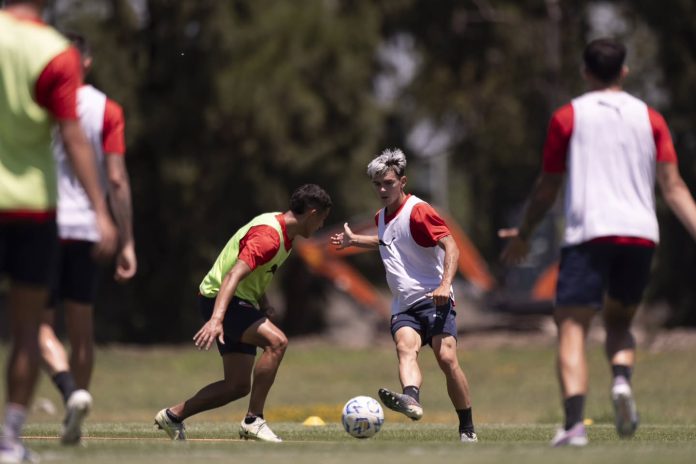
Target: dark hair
80 42
309 196
604 59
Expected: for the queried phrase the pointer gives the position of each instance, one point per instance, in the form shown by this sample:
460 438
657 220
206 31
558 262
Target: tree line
231 104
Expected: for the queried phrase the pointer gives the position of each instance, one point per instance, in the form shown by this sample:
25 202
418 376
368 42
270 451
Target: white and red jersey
413 261
609 143
102 122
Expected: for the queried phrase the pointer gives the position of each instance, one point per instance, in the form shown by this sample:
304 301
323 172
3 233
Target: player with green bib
232 299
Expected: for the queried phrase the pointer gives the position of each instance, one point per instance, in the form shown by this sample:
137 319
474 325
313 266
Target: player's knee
279 344
240 391
447 360
236 389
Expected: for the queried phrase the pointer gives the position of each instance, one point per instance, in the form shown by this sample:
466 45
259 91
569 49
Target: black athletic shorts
76 273
28 250
589 270
240 316
427 319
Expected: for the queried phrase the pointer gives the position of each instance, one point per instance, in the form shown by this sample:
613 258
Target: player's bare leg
573 324
72 378
620 348
445 349
274 343
79 324
24 303
53 355
235 384
408 343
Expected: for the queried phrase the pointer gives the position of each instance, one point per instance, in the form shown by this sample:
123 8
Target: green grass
516 408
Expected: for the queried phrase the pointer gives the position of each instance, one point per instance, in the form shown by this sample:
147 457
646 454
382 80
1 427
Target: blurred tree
230 105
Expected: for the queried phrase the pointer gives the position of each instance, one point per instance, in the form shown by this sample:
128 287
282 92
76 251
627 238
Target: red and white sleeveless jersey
102 123
609 143
412 270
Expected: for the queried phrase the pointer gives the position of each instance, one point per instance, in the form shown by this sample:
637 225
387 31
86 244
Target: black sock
623 370
413 392
466 421
65 383
173 417
573 407
250 418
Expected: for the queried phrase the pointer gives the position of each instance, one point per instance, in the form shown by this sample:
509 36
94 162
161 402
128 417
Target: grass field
516 408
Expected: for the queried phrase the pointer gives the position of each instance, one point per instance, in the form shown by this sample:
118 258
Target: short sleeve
113 133
664 147
557 140
427 227
57 85
259 246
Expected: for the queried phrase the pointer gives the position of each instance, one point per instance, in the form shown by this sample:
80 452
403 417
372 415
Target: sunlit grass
516 408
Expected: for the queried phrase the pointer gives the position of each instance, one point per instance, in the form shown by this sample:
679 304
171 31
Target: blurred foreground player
611 146
39 78
75 281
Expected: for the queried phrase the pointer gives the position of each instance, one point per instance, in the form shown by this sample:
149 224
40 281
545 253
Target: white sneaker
575 436
624 408
468 437
175 430
77 408
258 430
15 453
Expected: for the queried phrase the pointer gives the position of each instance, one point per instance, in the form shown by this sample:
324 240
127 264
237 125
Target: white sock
15 416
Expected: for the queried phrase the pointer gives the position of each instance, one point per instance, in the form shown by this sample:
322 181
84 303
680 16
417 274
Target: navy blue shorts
28 251
240 315
589 270
76 274
427 319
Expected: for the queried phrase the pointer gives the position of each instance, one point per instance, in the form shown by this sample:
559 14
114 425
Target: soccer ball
362 417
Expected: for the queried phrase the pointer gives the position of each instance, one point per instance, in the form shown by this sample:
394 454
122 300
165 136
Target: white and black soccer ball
362 416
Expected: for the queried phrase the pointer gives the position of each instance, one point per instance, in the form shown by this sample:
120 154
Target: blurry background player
39 78
420 258
232 298
612 147
76 277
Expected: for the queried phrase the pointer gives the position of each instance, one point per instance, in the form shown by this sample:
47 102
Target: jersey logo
273 269
384 244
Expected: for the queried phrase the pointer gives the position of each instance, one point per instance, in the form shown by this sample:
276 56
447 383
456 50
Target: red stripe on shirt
557 140
665 152
27 216
57 85
619 240
113 129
